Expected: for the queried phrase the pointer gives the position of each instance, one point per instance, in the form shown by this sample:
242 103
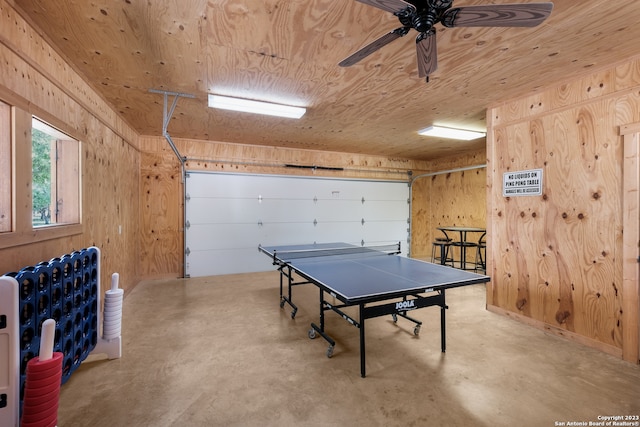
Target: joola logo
405 305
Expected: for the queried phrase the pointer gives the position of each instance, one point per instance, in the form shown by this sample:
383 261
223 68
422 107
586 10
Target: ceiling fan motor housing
424 22
427 16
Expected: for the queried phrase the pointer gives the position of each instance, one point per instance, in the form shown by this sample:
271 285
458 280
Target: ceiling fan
422 15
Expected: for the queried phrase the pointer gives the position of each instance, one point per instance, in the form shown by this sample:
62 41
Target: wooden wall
161 212
556 259
36 80
449 195
454 198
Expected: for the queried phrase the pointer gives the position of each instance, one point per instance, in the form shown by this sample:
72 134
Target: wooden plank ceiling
288 51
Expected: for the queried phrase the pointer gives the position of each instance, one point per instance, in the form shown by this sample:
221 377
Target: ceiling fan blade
498 15
393 6
373 46
427 53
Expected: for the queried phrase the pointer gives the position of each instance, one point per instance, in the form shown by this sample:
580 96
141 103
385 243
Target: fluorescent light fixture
257 107
452 133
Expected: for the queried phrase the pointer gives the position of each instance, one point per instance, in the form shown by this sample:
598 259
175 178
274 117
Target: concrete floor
219 351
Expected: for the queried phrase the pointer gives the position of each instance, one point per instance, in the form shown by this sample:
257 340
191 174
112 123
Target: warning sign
522 183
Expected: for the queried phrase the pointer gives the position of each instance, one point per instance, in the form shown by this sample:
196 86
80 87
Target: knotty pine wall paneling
36 80
556 259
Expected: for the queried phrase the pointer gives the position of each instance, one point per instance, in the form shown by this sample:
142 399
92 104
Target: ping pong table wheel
293 313
394 317
330 351
312 333
416 330
282 303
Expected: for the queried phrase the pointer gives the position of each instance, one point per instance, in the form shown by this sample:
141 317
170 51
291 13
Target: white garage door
227 216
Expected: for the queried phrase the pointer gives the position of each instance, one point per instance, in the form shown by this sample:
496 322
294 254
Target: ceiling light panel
444 132
256 107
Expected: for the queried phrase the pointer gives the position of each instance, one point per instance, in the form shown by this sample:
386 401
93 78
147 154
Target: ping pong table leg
362 347
321 310
443 325
281 294
287 298
320 329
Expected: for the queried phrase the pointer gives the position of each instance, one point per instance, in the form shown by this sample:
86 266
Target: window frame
22 231
6 168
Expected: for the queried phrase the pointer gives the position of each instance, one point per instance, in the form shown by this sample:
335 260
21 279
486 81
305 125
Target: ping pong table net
346 251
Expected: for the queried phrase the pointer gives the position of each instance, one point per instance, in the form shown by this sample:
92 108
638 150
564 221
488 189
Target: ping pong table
378 280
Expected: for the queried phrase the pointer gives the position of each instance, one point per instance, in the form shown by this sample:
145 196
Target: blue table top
363 277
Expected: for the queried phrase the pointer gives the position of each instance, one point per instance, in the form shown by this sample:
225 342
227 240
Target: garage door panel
287 210
385 210
205 210
384 231
227 261
229 215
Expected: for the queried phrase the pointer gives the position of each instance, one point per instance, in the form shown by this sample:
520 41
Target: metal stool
481 254
463 253
441 245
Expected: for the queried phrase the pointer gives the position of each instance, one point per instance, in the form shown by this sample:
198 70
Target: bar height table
463 243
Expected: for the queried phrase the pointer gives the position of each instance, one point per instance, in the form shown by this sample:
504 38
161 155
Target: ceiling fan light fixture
451 133
256 107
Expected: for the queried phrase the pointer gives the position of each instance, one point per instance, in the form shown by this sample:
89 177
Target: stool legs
463 254
443 249
481 256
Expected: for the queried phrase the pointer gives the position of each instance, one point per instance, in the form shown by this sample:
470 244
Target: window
55 178
41 158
